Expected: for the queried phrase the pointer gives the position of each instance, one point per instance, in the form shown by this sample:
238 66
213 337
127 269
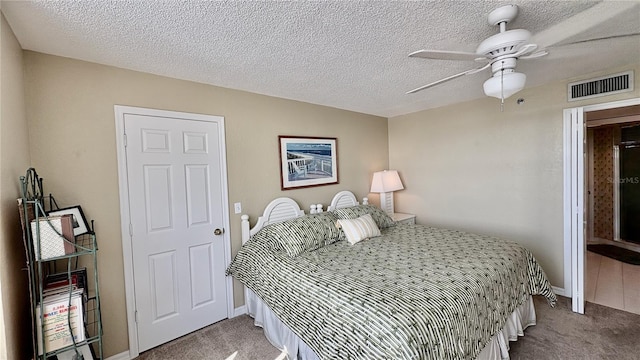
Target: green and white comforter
416 292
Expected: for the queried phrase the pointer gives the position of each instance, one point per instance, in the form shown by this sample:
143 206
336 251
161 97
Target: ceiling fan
501 51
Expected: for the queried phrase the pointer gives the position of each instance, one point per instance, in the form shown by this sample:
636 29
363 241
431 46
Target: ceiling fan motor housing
503 43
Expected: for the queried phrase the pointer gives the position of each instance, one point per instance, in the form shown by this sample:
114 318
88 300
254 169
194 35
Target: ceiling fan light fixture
504 84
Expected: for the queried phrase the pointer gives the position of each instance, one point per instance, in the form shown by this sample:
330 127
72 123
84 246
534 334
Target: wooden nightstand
404 218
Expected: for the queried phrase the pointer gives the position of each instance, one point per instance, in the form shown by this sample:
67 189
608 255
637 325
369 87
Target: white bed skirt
280 336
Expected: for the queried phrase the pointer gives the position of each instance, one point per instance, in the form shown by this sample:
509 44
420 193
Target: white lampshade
504 84
386 181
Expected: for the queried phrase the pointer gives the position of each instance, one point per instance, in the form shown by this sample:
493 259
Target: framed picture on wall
308 161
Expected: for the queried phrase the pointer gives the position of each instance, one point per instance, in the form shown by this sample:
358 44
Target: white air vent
602 86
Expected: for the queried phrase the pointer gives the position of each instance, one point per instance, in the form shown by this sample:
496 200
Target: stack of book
63 316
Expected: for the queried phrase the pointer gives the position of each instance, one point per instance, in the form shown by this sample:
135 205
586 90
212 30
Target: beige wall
14 159
471 167
73 146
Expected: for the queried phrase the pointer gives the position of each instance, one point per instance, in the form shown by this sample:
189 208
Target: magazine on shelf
59 310
59 283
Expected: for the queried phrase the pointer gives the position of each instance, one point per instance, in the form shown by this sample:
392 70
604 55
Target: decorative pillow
359 229
305 233
380 217
267 235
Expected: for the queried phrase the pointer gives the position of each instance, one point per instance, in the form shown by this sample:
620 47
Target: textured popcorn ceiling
345 54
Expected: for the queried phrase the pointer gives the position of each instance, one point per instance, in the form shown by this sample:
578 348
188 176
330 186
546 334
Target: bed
414 292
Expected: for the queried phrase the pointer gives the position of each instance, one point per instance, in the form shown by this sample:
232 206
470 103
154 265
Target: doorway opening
612 204
575 197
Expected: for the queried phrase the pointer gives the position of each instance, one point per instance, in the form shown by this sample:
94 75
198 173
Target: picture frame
79 221
307 161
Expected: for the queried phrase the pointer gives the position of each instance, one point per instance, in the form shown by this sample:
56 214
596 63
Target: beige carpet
602 333
232 339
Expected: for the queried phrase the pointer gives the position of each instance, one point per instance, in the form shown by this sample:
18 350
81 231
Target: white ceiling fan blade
612 37
574 51
579 23
535 55
525 49
444 55
468 72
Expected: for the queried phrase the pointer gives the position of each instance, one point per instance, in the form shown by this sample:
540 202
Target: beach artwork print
308 161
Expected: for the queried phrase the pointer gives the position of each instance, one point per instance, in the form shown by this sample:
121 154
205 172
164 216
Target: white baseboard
122 356
239 311
558 291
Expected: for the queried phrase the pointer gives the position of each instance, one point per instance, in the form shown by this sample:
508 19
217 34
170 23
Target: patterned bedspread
416 292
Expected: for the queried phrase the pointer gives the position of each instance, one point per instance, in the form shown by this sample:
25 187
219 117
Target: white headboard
285 208
278 210
345 199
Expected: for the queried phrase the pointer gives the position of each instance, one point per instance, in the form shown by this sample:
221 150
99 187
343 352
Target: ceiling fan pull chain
502 88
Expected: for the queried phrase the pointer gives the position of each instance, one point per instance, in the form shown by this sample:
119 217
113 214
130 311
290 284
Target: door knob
218 231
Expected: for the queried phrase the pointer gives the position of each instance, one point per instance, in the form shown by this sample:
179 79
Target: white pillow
359 229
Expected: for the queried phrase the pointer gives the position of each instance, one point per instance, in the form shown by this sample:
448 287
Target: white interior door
576 128
176 203
578 201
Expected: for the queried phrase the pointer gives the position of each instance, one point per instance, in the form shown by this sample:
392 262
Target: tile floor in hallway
612 283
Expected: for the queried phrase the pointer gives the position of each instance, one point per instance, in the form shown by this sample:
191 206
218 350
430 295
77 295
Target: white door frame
125 217
574 242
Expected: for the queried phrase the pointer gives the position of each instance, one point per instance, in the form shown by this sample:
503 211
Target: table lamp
386 182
